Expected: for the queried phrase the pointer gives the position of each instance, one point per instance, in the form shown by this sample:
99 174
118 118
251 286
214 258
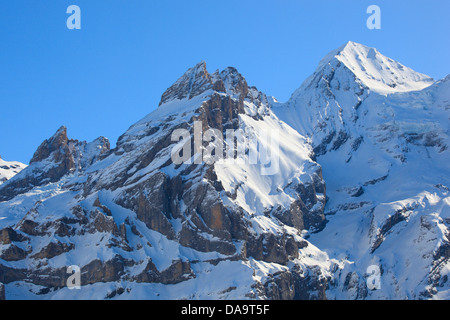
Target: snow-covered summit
330 106
370 68
380 132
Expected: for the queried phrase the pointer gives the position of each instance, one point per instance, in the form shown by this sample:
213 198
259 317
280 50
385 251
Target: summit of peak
354 45
353 49
200 65
374 70
353 54
198 69
191 83
56 142
197 80
61 131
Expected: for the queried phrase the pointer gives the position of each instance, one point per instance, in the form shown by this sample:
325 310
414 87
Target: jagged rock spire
58 142
193 82
53 159
197 80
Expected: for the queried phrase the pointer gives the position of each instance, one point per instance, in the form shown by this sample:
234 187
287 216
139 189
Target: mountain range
353 204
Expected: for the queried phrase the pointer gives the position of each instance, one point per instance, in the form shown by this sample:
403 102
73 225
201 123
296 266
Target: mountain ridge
139 225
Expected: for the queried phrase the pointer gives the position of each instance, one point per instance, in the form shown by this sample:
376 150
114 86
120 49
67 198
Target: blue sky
103 78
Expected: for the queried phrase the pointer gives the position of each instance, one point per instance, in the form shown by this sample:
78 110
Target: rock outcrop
55 158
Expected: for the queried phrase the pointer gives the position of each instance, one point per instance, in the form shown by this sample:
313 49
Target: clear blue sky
101 79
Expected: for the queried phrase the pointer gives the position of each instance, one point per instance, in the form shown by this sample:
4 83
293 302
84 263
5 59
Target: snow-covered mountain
140 225
9 169
357 175
380 131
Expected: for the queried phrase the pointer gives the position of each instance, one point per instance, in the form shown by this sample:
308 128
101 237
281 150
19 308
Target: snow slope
9 169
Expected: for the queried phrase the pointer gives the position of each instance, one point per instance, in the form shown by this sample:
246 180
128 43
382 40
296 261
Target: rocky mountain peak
56 157
51 161
197 80
137 195
231 82
192 83
58 142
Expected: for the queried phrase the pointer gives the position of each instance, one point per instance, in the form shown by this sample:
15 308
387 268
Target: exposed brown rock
9 235
54 150
193 238
179 271
13 253
195 81
30 227
311 286
57 142
104 208
102 223
151 201
8 274
108 271
53 249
